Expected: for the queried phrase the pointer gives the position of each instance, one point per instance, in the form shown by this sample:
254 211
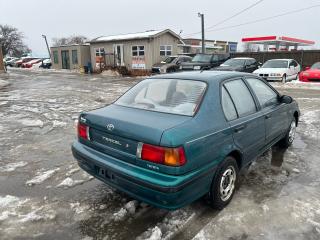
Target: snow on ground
42 176
69 182
12 166
32 123
3 84
311 119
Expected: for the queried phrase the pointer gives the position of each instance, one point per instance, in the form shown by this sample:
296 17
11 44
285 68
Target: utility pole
201 15
45 38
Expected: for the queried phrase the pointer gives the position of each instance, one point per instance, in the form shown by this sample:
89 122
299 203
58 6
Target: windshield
202 58
316 66
234 62
169 60
165 95
275 64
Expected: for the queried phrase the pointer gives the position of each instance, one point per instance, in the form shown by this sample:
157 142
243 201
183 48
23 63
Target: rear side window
227 105
266 96
165 95
241 97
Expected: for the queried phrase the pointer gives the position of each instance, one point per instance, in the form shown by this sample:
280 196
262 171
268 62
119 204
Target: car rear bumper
158 189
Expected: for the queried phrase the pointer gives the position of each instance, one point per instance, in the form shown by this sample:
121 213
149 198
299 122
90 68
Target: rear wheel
224 183
291 133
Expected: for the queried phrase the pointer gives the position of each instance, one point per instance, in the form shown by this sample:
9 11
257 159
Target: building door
118 54
65 59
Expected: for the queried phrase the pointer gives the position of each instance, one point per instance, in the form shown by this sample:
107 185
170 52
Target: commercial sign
138 62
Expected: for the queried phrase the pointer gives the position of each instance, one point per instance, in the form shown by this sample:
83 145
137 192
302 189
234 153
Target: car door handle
239 128
268 116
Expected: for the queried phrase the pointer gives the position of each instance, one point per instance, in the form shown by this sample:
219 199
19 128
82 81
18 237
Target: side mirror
307 68
286 99
291 67
178 62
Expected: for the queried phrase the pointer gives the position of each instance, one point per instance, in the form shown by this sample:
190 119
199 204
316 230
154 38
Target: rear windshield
165 95
202 58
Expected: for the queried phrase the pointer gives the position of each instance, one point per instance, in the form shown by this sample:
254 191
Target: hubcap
292 131
227 183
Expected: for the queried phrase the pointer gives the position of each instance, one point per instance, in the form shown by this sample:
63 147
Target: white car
279 70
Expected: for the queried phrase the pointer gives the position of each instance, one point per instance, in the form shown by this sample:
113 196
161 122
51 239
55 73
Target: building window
165 50
99 52
55 57
74 57
137 50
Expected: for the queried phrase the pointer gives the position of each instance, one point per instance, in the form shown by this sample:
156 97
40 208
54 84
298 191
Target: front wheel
224 183
291 133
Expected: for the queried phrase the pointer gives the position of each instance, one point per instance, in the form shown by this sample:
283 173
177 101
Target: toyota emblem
110 127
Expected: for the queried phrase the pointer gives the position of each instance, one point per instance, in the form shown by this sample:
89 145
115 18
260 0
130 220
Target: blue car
172 139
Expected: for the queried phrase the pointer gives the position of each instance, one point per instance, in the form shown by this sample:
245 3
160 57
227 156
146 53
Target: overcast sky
93 18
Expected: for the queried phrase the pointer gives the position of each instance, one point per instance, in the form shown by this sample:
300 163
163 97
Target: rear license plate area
102 172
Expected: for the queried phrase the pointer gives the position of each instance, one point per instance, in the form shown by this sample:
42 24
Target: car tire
289 137
224 183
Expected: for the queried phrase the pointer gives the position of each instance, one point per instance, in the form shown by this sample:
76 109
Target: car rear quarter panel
206 138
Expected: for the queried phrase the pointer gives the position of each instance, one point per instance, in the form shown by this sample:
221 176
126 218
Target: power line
227 19
265 19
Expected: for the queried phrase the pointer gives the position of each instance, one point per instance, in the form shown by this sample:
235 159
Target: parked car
204 61
46 63
29 64
279 70
239 65
170 140
311 73
10 62
170 64
22 60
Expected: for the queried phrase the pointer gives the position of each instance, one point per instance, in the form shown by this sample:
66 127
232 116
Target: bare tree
12 41
74 39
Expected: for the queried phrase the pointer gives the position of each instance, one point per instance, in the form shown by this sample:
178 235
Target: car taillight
162 155
83 131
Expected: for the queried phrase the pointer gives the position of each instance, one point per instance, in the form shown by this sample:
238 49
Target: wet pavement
44 194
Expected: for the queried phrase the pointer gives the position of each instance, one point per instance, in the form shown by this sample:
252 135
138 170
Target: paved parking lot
44 194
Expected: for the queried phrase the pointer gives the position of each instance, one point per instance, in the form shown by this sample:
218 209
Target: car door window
241 97
266 95
227 105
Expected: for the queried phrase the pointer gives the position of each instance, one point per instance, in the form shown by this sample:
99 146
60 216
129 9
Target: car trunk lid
117 130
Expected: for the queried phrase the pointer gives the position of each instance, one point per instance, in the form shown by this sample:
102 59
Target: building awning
276 40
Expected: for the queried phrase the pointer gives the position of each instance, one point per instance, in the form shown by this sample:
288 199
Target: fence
304 57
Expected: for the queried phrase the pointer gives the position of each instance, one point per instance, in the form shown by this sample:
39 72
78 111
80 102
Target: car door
251 65
248 126
274 112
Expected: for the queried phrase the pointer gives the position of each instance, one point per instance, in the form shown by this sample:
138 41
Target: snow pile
69 182
129 209
12 166
120 215
156 234
42 176
170 225
32 123
110 73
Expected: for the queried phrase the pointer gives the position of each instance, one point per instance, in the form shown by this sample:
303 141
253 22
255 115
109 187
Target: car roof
283 59
243 58
206 76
